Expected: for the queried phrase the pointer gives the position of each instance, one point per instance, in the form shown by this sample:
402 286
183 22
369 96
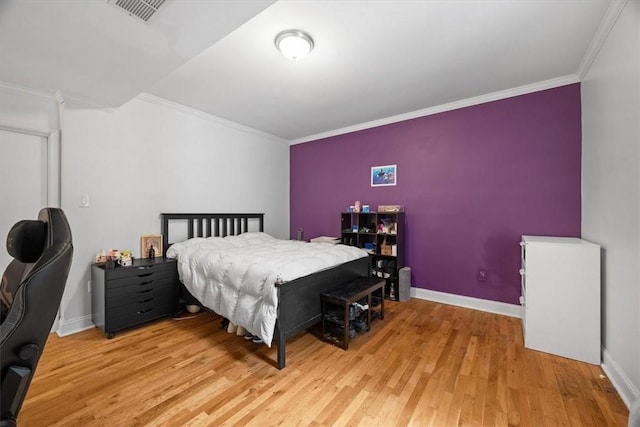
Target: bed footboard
299 300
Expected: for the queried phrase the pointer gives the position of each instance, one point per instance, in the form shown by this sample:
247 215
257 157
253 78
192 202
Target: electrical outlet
483 275
89 286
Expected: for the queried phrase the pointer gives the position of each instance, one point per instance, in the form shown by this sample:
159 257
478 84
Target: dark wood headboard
209 224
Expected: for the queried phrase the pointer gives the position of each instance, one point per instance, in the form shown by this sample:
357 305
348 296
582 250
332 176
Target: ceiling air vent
143 9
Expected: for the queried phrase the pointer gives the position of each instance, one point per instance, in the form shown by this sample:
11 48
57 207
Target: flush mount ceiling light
294 44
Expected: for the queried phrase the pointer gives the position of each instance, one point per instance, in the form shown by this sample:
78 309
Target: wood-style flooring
425 364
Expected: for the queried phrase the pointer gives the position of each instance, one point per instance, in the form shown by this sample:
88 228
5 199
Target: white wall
26 109
611 192
145 158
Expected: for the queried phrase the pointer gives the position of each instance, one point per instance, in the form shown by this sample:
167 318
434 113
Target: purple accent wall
472 181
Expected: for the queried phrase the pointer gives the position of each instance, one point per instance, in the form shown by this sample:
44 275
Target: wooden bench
343 297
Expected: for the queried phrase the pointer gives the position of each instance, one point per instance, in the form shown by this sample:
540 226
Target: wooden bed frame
299 304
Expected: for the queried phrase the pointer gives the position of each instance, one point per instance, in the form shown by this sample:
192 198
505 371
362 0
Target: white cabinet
561 296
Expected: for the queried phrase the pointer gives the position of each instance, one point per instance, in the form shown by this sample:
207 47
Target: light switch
84 201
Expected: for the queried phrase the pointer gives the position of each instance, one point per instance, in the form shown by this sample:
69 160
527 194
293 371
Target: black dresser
123 297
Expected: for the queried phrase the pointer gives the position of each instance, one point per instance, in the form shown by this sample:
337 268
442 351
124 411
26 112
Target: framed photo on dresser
149 241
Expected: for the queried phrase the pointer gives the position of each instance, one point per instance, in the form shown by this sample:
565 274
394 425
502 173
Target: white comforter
235 276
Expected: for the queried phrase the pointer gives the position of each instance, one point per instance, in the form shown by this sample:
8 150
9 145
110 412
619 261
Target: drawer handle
145 311
145 275
145 291
145 283
147 300
144 267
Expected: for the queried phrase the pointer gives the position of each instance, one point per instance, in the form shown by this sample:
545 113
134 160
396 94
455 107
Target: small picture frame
384 175
149 240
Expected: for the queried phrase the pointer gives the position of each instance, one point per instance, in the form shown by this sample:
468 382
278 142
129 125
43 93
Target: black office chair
30 295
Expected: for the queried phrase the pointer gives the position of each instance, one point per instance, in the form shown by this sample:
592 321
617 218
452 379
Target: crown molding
477 100
605 27
84 102
25 127
152 99
27 90
57 96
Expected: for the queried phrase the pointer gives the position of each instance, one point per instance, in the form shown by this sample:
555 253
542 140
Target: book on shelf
326 239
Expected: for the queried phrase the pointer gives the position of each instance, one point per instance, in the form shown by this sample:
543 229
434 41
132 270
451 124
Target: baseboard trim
72 326
623 385
512 310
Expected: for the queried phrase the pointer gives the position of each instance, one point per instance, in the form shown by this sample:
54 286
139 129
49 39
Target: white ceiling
372 59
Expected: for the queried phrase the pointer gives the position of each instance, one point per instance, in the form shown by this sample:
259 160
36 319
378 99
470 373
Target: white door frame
53 159
53 172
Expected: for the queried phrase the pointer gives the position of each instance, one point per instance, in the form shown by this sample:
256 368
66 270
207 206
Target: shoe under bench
343 297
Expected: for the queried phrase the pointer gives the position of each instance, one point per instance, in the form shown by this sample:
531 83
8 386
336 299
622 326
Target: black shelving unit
382 235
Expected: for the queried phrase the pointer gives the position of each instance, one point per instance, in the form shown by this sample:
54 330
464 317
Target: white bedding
235 276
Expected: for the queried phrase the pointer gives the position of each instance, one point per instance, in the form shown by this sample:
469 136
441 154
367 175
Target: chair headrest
25 241
58 226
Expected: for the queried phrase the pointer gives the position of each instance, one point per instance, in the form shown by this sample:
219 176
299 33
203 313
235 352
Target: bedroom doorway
29 178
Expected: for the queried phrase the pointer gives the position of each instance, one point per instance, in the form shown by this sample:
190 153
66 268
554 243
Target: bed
298 300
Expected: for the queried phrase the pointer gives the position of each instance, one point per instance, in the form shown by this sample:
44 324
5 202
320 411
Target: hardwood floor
426 364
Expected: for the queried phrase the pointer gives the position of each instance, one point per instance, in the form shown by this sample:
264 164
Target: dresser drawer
142 305
139 292
141 277
140 267
132 315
